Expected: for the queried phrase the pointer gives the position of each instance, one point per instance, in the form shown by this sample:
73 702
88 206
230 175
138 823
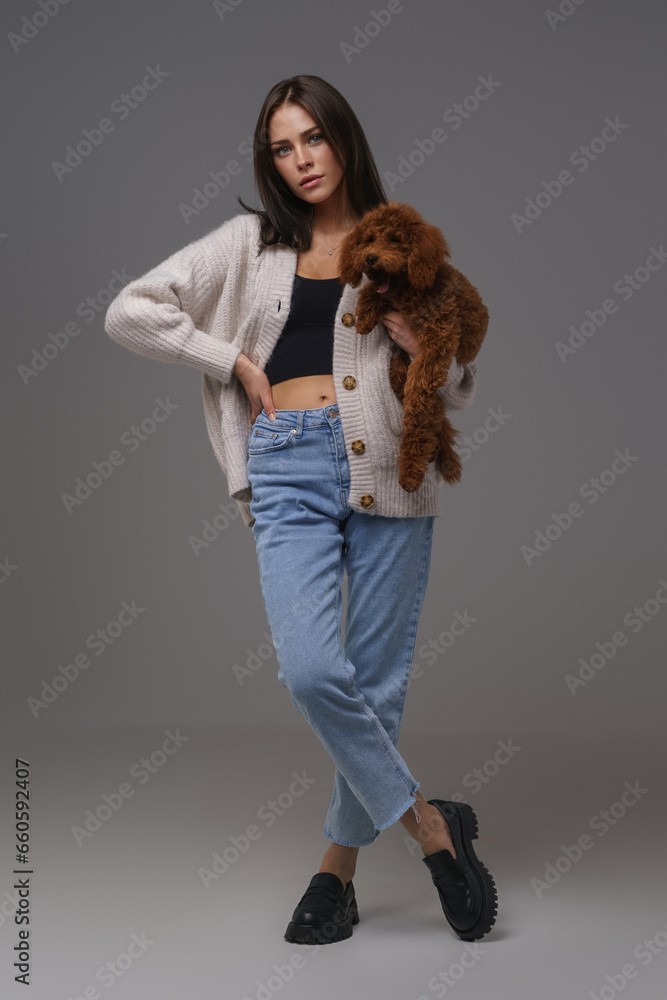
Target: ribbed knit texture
216 299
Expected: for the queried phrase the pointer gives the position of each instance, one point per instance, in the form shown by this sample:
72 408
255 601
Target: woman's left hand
400 332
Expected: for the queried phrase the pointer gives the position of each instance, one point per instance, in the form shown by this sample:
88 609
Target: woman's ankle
345 875
341 861
430 829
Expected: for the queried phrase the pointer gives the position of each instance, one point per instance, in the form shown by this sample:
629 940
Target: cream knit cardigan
215 299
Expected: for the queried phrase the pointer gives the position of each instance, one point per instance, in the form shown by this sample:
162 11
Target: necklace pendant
330 252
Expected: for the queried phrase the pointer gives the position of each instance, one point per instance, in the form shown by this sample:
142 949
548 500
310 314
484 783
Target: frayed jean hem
383 826
403 809
364 844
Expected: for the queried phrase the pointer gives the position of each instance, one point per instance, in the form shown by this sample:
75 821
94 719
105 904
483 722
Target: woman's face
299 148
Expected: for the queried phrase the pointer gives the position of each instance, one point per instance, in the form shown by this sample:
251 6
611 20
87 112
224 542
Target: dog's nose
371 259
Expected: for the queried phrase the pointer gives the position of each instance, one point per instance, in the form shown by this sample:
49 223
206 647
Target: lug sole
470 832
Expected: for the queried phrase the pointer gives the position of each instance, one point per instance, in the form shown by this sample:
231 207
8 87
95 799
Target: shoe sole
327 933
469 829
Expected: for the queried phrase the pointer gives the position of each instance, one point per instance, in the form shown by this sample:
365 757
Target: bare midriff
308 391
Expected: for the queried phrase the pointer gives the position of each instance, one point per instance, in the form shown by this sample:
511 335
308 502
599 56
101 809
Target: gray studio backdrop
534 138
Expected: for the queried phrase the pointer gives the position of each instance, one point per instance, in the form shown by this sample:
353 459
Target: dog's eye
393 238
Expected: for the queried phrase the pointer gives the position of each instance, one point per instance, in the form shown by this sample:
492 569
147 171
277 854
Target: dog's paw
364 325
410 481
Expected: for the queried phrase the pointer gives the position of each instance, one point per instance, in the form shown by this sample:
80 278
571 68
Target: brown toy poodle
406 262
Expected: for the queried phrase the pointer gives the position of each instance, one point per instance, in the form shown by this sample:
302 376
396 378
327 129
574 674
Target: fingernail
272 416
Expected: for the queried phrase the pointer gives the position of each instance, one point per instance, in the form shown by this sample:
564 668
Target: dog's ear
428 252
349 274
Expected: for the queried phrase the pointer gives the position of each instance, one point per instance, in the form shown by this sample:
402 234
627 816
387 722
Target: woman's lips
310 184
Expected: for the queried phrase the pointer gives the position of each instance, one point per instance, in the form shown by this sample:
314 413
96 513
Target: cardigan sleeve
158 314
459 390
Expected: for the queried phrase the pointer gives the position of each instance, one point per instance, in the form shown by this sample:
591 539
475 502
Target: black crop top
305 345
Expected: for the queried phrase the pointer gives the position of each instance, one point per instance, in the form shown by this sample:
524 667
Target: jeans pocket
263 440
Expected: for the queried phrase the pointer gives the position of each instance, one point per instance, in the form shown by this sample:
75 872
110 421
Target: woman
306 428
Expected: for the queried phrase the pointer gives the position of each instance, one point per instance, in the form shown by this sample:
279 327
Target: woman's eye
316 135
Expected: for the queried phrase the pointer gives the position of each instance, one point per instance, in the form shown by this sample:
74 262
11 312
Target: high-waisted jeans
350 690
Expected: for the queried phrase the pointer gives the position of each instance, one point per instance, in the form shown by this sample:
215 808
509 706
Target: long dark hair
287 218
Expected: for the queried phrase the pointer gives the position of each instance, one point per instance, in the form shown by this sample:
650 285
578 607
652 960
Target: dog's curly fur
393 246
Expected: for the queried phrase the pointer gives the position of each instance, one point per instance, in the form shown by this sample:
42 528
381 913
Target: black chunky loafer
325 913
466 889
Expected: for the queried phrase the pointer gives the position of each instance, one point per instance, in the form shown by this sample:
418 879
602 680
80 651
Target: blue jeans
350 691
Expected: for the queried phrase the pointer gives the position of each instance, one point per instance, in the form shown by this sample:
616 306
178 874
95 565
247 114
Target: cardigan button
349 382
358 447
367 500
348 319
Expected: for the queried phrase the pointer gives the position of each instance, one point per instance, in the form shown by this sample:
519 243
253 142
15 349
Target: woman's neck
330 223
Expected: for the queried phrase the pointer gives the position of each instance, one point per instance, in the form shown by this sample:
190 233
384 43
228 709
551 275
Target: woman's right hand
256 385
